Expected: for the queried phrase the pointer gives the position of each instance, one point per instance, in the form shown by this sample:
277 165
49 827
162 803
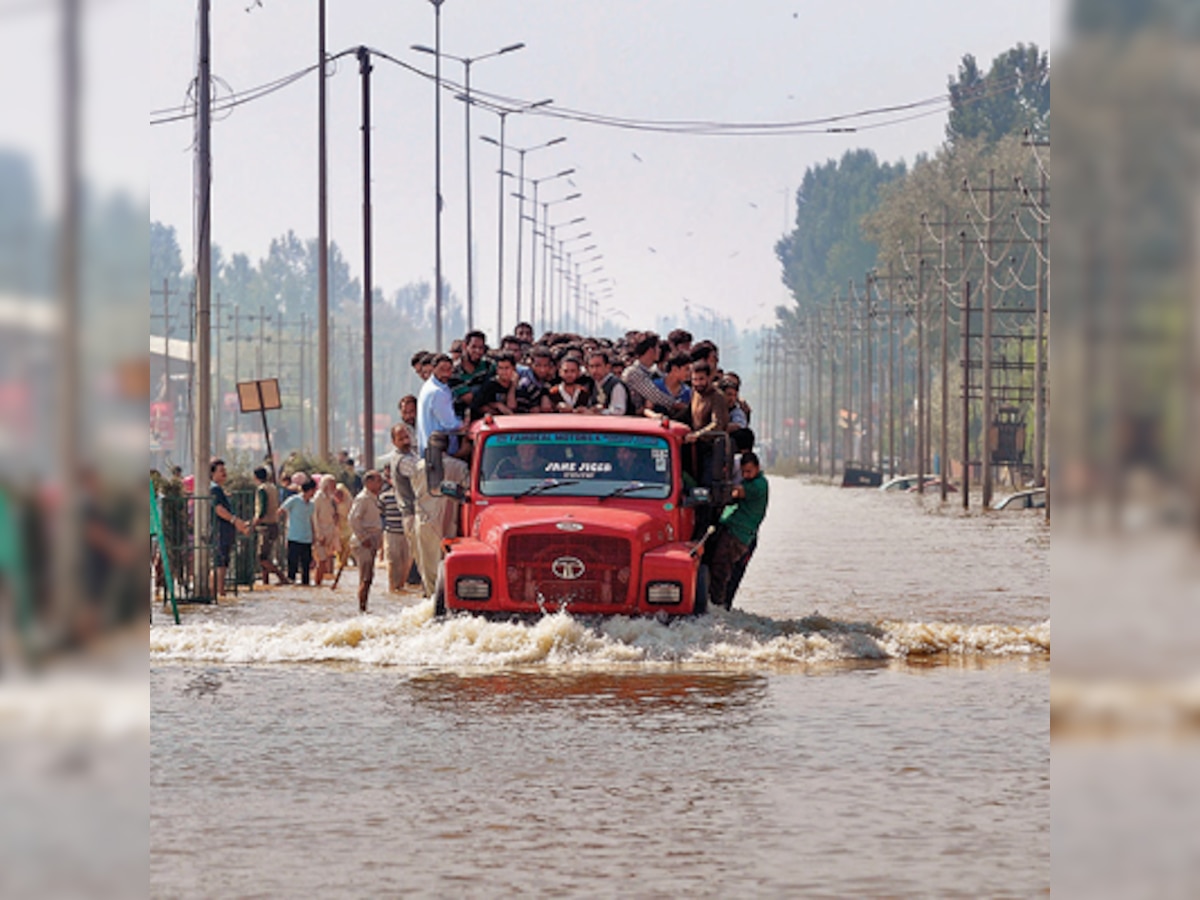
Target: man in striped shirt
395 541
639 379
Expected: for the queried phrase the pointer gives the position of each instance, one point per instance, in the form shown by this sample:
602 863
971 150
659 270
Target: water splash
413 637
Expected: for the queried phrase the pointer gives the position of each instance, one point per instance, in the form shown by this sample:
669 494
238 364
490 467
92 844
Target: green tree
1012 96
827 246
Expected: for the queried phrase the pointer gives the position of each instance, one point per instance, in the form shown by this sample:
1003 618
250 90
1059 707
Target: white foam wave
414 638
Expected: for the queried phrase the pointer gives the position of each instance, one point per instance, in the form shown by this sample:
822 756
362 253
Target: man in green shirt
739 527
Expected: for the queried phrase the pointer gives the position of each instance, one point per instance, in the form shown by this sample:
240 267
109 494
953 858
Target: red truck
587 513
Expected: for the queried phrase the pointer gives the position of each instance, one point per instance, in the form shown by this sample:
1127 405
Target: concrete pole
944 436
986 451
891 370
1039 375
368 449
202 451
323 404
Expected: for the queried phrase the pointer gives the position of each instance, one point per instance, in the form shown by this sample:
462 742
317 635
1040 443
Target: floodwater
871 719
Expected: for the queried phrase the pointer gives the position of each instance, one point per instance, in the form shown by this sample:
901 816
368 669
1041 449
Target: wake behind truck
597 515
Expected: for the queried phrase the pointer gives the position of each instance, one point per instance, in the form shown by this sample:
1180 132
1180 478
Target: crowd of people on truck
397 508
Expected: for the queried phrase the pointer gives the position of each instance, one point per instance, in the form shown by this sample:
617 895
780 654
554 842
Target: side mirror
453 490
697 496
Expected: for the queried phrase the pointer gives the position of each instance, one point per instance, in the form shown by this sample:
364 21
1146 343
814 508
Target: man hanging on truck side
739 528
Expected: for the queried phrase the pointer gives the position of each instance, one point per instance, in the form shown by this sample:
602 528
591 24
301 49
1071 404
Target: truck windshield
577 464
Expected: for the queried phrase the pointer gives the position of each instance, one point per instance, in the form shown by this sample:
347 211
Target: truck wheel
439 593
700 607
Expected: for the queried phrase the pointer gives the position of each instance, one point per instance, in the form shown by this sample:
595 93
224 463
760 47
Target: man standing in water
366 521
225 526
739 528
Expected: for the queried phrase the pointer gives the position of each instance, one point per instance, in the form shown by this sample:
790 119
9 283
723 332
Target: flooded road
872 719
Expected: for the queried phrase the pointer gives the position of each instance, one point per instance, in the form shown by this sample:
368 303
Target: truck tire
700 606
439 593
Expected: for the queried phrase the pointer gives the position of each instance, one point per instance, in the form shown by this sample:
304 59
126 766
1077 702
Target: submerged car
1031 499
592 514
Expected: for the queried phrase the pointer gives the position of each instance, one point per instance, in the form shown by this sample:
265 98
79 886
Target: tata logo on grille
568 568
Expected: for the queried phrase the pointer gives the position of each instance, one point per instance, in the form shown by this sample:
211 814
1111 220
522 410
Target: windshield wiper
542 486
628 489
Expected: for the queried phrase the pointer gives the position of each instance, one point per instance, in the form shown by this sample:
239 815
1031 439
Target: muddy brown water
871 719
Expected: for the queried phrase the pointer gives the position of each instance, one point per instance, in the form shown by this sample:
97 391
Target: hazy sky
711 207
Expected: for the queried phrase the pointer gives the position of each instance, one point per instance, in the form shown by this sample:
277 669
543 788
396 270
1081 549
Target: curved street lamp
466 98
548 250
503 112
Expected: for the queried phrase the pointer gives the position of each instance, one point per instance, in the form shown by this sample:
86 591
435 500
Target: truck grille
532 562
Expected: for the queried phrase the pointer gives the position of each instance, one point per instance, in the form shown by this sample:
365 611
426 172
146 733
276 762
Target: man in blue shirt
435 405
677 372
299 509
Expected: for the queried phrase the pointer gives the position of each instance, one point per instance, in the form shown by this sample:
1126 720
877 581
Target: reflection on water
690 696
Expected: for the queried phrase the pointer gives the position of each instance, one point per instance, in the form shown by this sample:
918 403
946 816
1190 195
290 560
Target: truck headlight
472 587
663 592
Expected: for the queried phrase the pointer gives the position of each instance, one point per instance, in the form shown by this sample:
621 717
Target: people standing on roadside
298 510
366 525
435 405
266 522
739 528
225 525
325 541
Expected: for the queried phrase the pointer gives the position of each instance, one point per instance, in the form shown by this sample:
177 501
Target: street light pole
322 248
437 170
467 103
503 113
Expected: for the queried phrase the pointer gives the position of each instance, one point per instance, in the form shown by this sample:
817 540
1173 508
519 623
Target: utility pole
364 67
833 413
869 386
1039 376
966 394
67 548
323 407
817 420
921 461
988 275
258 359
944 445
848 378
500 238
203 437
303 384
891 371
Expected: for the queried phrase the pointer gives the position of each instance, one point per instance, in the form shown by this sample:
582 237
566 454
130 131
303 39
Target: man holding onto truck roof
739 528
